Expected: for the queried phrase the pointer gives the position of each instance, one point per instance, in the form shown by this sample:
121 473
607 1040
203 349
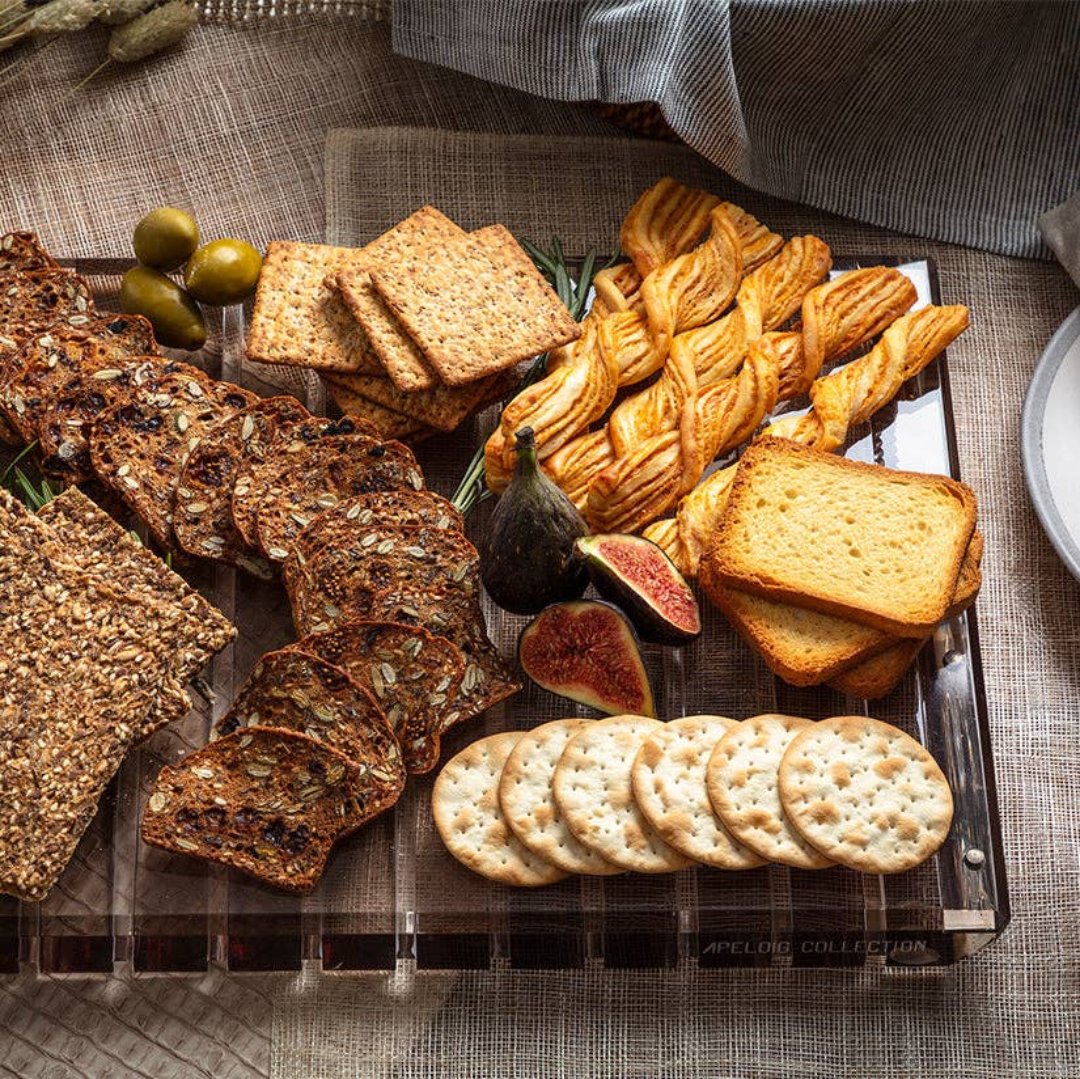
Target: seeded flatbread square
390 424
81 666
139 445
476 305
400 355
299 320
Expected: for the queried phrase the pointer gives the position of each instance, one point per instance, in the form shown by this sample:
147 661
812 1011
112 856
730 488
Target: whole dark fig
528 558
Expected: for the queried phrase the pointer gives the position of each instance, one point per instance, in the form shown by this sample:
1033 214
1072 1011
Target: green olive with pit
177 319
223 272
166 238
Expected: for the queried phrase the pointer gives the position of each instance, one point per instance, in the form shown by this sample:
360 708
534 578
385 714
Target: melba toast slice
859 541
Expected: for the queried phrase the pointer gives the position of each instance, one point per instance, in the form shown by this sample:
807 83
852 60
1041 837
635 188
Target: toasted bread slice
858 541
879 676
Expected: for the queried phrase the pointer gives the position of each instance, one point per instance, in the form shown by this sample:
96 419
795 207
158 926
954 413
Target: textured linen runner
955 120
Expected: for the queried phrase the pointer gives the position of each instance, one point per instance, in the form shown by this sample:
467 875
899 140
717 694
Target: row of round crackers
634 794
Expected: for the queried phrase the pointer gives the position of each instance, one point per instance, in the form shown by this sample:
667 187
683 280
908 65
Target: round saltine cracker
593 792
741 778
669 787
866 794
465 804
528 802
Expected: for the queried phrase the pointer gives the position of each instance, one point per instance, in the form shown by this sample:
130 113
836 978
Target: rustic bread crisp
427 229
298 319
593 790
854 540
291 690
741 778
268 802
668 779
139 445
204 494
878 676
411 674
528 802
865 794
475 306
24 251
469 819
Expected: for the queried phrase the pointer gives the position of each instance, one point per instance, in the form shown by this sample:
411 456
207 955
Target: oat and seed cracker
266 801
413 675
310 482
299 320
81 664
139 445
476 305
469 819
203 512
386 421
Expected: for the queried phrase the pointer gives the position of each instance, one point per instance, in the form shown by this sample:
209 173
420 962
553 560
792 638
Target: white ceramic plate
1050 441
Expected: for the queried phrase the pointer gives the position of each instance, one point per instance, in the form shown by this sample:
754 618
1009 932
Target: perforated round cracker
669 787
866 794
593 792
465 804
528 801
741 778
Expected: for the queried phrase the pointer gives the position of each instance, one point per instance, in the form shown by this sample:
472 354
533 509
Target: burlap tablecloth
235 126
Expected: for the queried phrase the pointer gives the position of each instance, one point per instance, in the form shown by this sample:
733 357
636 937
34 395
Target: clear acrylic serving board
393 897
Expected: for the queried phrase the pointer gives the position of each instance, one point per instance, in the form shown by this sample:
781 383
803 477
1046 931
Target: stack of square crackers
414 331
99 638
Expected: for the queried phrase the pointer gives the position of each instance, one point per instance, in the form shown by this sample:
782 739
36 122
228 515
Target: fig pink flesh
651 575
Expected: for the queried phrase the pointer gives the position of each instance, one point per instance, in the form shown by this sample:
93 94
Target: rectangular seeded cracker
299 320
391 424
476 305
81 663
400 355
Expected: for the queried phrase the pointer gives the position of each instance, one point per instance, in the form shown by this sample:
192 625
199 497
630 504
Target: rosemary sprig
35 495
473 488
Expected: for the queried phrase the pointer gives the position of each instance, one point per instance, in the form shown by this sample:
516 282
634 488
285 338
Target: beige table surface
235 126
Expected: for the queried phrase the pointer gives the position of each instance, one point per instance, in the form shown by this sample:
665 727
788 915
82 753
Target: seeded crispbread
443 407
476 305
24 251
97 544
338 583
299 320
741 778
203 513
81 665
451 613
403 361
593 790
292 690
669 787
138 446
528 801
316 480
387 422
252 475
412 674
408 507
48 361
865 794
266 801
469 819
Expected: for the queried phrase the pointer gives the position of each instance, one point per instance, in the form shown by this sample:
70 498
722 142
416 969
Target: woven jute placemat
1009 1011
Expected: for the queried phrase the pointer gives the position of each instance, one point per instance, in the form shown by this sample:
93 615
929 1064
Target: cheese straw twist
629 343
702 355
840 400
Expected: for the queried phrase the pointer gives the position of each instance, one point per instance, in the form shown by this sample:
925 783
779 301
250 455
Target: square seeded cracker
476 305
400 355
299 320
390 424
81 665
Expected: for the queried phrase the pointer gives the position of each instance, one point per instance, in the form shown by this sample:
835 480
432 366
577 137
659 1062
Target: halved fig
587 651
637 575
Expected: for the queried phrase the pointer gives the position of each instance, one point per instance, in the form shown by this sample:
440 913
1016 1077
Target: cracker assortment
627 793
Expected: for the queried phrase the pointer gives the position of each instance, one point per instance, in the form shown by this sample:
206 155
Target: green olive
223 272
165 238
177 320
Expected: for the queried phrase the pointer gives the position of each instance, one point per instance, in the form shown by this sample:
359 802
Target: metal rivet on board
974 857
